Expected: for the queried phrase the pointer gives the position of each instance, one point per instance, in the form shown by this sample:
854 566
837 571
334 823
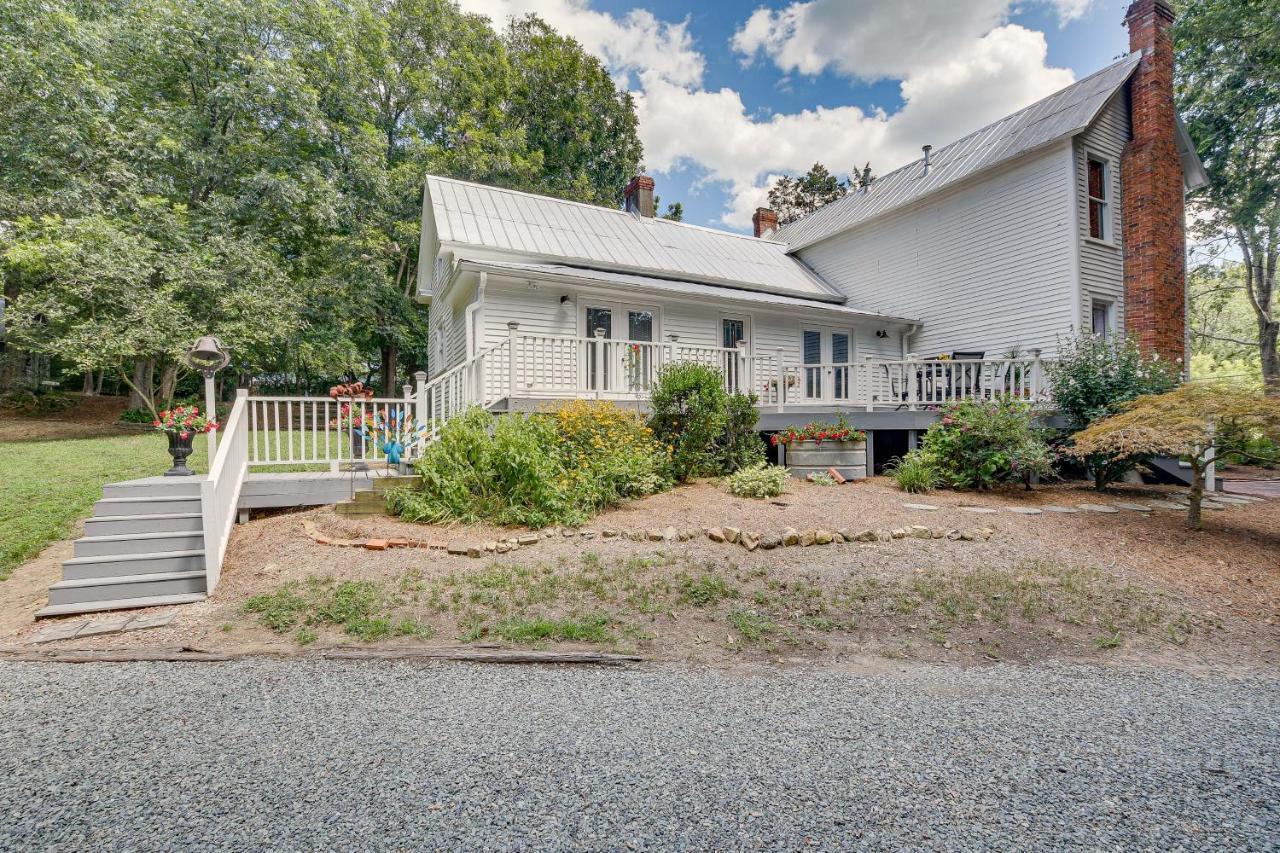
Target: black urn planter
180 449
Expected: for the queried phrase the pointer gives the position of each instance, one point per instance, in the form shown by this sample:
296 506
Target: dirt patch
1114 587
91 417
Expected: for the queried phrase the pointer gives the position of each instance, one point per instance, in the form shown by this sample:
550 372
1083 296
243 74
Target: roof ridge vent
927 149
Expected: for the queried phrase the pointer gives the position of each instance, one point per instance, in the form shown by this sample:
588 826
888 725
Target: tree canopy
254 168
792 197
1228 91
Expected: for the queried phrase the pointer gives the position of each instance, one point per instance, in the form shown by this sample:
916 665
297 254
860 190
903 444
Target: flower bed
817 447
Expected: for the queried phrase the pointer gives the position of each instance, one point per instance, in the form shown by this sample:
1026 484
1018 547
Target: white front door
622 367
827 355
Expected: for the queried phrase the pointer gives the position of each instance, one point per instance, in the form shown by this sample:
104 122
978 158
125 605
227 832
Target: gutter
906 339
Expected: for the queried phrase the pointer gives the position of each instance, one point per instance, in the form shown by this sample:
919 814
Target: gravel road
291 755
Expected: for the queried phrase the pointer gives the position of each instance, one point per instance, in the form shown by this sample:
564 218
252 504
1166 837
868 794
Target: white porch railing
220 491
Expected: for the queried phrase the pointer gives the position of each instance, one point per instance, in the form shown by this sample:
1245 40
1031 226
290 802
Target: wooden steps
372 503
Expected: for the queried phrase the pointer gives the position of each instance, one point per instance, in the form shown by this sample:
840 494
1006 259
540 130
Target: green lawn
46 486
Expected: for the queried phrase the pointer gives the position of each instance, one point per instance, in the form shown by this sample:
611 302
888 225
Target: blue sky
731 95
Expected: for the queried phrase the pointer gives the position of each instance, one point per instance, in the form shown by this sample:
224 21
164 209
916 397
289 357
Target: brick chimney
765 221
639 196
1155 273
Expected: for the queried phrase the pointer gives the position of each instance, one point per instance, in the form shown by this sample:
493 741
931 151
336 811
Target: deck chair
969 380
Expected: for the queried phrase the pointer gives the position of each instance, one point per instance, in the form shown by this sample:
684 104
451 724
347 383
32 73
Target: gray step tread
120 604
116 558
176 516
131 537
125 580
158 499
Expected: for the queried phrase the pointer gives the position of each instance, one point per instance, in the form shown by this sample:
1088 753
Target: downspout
906 338
469 316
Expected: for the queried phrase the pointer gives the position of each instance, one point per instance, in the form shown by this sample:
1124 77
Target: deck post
420 414
866 384
601 368
1035 374
513 334
781 378
740 369
912 379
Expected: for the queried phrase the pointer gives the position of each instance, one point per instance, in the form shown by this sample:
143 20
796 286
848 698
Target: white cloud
997 74
1071 10
961 66
636 42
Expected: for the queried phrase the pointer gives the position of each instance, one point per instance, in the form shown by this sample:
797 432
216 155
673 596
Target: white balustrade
220 491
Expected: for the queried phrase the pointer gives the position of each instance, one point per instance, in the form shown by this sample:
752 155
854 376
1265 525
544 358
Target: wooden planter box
808 457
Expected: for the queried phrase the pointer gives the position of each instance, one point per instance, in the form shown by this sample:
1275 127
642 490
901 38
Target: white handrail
220 491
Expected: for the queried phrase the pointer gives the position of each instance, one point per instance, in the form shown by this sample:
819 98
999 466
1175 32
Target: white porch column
601 368
867 368
741 371
1036 374
513 336
421 413
780 372
913 366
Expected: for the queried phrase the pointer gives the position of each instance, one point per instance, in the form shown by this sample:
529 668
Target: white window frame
1109 309
1108 234
744 319
619 310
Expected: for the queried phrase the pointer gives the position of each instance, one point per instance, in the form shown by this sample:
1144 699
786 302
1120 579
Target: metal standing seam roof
1062 114
682 288
543 227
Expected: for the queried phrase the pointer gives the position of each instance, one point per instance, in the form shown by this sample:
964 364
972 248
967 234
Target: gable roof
535 227
1062 114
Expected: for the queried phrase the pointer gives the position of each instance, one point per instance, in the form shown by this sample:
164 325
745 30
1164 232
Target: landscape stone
822 537
899 533
919 531
503 547
845 533
474 552
376 544
715 534
731 534
924 507
769 541
1158 504
528 539
750 540
953 535
491 546
790 536
1025 510
1132 507
669 534
566 532
938 532
655 535
1056 508
608 533
968 535
987 532
1098 508
979 510
865 536
807 538
456 548
884 536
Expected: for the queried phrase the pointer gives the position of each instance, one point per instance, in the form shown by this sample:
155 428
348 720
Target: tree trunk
389 355
1197 492
97 386
1270 354
143 370
87 387
168 382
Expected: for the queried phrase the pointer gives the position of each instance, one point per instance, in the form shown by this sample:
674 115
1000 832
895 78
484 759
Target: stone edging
748 539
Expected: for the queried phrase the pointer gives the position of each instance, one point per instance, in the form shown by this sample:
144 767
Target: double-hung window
1099 199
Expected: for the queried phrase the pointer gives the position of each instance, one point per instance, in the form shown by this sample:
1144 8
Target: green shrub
978 444
917 472
505 470
137 416
535 470
1094 378
709 431
759 481
821 478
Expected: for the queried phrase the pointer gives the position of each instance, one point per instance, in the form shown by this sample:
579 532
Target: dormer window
1099 200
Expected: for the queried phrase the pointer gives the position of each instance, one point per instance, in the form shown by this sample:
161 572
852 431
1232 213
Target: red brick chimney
639 196
1155 245
765 221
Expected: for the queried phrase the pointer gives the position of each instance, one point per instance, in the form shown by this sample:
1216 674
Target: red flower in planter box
820 432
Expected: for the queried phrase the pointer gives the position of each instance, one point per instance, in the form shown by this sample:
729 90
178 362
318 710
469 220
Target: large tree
1228 90
792 197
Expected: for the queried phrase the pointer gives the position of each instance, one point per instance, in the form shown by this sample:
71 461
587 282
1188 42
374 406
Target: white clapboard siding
1102 266
986 266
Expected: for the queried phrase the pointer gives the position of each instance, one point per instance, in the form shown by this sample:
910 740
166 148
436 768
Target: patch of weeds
227 627
753 626
817 623
1110 637
279 610
530 630
704 590
414 628
306 636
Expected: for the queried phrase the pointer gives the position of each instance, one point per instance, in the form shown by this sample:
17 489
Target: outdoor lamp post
208 356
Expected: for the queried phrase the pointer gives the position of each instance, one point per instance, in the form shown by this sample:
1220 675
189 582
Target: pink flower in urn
184 435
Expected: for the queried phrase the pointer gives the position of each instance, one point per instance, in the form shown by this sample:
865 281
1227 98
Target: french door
827 355
627 361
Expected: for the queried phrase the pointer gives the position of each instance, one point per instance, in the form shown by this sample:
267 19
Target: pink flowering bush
978 444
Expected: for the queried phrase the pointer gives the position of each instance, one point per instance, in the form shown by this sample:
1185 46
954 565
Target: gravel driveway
293 755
